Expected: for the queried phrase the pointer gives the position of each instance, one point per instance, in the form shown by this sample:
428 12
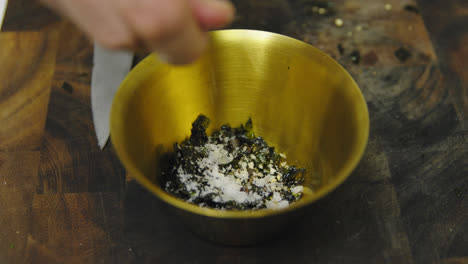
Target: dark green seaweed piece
240 142
293 175
198 136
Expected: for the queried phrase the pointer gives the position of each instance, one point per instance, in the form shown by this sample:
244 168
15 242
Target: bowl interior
300 100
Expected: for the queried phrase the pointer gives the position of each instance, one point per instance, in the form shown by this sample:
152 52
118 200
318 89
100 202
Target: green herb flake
232 169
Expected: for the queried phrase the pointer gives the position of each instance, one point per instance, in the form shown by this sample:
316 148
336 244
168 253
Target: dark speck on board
355 57
67 87
319 7
402 54
340 49
458 192
412 8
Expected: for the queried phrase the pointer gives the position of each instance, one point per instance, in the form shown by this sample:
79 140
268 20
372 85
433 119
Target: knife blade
109 70
3 6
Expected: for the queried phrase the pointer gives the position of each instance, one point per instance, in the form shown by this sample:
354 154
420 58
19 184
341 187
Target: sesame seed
339 22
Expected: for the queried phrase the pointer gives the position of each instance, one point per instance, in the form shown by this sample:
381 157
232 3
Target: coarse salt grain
275 205
297 189
225 184
276 197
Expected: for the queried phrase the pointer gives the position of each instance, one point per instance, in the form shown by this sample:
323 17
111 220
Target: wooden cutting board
62 200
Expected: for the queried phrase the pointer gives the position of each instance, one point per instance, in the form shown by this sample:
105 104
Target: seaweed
241 140
198 136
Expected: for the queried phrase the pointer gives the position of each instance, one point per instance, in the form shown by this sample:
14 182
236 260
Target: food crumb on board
356 57
388 7
232 169
339 22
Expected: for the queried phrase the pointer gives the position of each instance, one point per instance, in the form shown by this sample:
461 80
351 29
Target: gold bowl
300 100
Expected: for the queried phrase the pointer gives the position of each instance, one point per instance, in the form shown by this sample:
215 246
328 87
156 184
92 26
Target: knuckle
162 25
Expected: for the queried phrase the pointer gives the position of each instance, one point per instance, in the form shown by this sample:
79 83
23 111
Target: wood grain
368 28
78 227
27 15
29 60
447 26
17 173
71 161
37 253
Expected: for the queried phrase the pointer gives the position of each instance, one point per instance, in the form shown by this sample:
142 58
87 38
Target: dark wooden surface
62 200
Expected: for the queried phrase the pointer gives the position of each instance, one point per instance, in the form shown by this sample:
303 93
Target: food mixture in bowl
232 169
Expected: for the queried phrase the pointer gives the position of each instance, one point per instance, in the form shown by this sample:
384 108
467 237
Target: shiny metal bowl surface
300 100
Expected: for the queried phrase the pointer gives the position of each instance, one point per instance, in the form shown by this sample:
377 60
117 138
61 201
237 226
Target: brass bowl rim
342 175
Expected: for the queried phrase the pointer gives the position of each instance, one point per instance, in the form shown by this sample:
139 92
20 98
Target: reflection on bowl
301 101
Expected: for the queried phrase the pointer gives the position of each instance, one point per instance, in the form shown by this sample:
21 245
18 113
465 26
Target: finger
167 27
99 20
213 14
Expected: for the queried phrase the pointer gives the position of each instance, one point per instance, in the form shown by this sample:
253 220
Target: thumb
167 27
213 14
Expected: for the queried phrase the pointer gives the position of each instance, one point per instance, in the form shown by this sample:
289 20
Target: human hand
172 28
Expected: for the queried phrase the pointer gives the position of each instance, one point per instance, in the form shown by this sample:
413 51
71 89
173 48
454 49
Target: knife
109 70
3 6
